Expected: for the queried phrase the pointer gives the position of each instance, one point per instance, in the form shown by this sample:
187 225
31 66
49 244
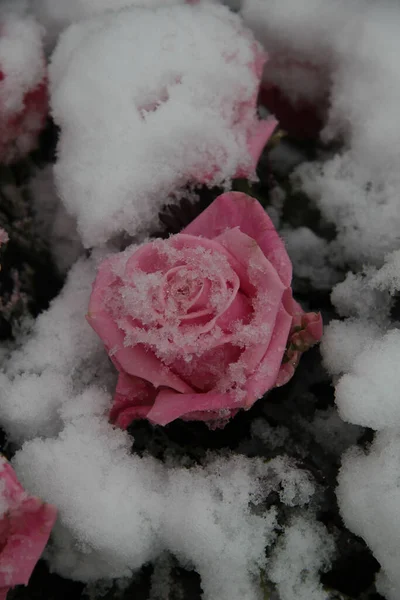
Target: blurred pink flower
23 86
25 526
198 325
20 130
3 236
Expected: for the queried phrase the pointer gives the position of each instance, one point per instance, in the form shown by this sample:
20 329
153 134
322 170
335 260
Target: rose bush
204 323
25 526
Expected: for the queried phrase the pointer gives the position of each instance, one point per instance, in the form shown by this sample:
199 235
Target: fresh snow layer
57 360
21 57
365 348
56 15
143 113
53 223
344 54
369 500
118 511
305 543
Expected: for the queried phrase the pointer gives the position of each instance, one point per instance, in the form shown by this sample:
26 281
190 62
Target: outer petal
257 140
268 292
136 360
133 399
169 405
235 209
264 378
3 593
205 371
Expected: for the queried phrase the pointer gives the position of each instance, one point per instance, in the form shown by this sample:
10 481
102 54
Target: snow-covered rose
25 526
204 323
162 125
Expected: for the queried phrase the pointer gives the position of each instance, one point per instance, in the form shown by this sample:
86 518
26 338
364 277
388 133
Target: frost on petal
235 209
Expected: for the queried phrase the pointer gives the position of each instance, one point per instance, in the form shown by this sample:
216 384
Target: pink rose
25 526
198 325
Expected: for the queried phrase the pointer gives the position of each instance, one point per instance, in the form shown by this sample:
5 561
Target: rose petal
266 374
257 140
26 525
3 593
237 209
132 400
287 370
147 258
268 292
30 526
205 371
260 136
169 405
240 310
136 360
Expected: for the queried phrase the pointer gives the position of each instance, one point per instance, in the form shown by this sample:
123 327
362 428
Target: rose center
182 290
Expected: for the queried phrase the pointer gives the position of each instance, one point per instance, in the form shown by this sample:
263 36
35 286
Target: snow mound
183 113
56 360
206 516
56 15
53 222
308 548
369 498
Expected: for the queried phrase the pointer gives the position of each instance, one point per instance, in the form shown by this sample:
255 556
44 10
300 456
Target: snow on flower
187 118
56 15
23 85
198 325
25 526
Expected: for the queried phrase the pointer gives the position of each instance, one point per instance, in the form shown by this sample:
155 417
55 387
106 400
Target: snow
308 548
59 356
373 381
298 36
56 15
21 57
206 516
369 496
52 221
164 121
310 256
343 341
